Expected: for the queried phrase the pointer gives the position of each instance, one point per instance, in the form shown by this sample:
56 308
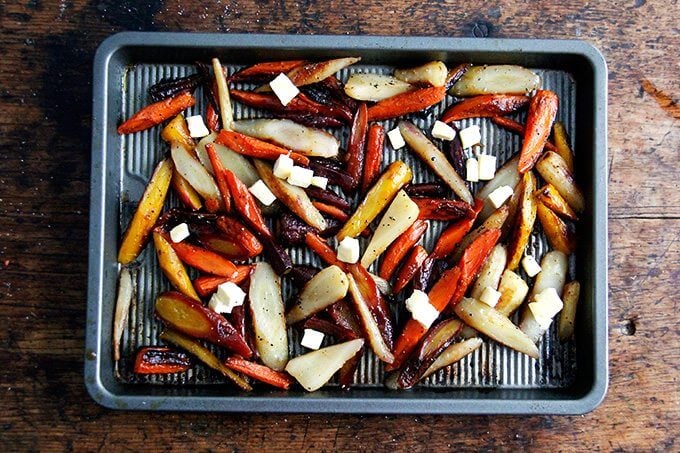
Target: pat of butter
490 296
531 267
262 193
443 131
472 170
320 182
470 136
284 89
487 167
348 250
421 309
283 166
301 177
196 126
179 233
228 296
312 339
396 139
500 195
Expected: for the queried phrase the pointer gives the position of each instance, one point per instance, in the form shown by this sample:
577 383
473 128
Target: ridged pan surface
491 366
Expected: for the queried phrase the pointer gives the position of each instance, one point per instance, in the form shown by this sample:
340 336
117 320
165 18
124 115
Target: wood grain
45 94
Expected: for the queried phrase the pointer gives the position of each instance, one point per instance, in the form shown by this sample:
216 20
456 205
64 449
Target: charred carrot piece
455 233
220 176
332 211
205 285
518 128
160 360
235 231
156 113
487 105
442 209
540 119
253 147
404 103
300 104
204 260
212 119
187 194
265 70
374 150
321 248
259 372
413 331
409 268
329 328
472 260
356 149
245 204
399 248
328 197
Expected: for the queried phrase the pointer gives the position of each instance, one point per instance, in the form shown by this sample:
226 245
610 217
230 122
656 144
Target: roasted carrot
540 119
245 204
220 176
253 147
442 209
204 260
322 249
172 266
472 260
205 285
487 105
452 236
263 71
331 328
374 150
518 128
400 247
185 192
259 372
404 103
356 149
236 232
332 211
300 104
156 113
328 197
212 119
413 331
409 268
160 360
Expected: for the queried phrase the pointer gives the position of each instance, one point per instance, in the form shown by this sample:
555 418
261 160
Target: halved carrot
237 233
156 113
220 176
267 69
540 119
205 285
332 211
518 128
442 209
300 104
409 268
400 247
374 150
204 260
413 331
404 103
259 372
212 119
455 233
160 360
487 105
472 260
322 249
245 204
356 149
253 147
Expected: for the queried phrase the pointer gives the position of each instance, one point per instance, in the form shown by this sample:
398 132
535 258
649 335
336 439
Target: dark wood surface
45 93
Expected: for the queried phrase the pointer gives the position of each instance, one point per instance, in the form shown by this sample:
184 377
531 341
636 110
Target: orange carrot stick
220 176
404 103
156 113
400 247
322 249
356 149
409 268
485 106
204 260
518 128
452 236
253 147
260 372
205 285
374 150
332 211
245 204
540 119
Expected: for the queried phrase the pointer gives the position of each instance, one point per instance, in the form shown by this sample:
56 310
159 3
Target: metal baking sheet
567 378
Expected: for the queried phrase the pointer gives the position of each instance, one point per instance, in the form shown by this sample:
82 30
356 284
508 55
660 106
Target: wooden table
45 95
